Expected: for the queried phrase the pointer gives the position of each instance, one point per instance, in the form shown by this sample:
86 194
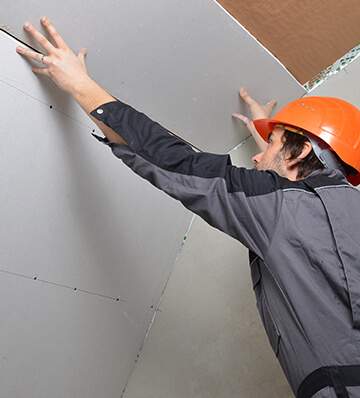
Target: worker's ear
305 151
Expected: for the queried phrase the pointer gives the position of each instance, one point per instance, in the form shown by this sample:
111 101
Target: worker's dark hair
293 146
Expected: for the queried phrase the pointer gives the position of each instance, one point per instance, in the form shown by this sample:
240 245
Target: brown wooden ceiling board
306 36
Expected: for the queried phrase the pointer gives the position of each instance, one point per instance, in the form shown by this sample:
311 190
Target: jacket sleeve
243 203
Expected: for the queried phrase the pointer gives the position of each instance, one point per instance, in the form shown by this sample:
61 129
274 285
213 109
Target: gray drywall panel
181 63
58 343
74 216
343 84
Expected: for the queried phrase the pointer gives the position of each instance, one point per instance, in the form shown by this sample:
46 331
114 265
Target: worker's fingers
249 123
246 97
262 144
82 54
257 111
64 67
269 106
41 71
41 39
239 116
32 55
50 28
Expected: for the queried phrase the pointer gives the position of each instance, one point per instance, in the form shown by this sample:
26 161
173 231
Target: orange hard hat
333 120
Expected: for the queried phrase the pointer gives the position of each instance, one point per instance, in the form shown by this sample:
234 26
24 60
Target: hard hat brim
265 126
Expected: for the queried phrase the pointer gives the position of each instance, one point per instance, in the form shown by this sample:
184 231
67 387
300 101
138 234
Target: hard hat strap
326 156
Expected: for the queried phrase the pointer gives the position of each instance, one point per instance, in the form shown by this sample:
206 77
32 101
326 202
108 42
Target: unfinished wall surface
306 36
86 245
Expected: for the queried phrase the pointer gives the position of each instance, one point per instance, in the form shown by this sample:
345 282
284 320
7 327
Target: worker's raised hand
66 69
257 111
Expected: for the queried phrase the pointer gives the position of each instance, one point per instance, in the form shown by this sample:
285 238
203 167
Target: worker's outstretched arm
243 203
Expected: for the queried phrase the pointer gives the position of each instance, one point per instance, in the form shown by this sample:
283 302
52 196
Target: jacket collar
326 177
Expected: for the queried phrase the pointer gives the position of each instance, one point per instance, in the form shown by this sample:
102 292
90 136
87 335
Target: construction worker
296 211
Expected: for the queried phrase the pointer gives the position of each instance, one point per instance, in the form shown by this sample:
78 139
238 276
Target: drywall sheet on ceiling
344 84
74 217
180 64
306 36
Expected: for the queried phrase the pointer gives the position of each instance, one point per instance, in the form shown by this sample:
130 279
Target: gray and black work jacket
303 239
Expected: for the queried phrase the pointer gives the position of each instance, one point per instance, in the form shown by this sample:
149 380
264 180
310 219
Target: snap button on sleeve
100 111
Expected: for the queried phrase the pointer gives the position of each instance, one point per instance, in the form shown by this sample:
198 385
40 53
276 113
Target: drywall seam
158 304
242 142
75 289
176 257
7 31
258 42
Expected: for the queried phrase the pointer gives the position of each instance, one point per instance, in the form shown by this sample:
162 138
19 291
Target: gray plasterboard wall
180 64
73 216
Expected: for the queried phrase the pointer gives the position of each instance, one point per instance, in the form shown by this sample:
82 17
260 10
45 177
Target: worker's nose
256 159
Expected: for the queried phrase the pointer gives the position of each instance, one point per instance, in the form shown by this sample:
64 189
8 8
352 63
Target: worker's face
272 158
